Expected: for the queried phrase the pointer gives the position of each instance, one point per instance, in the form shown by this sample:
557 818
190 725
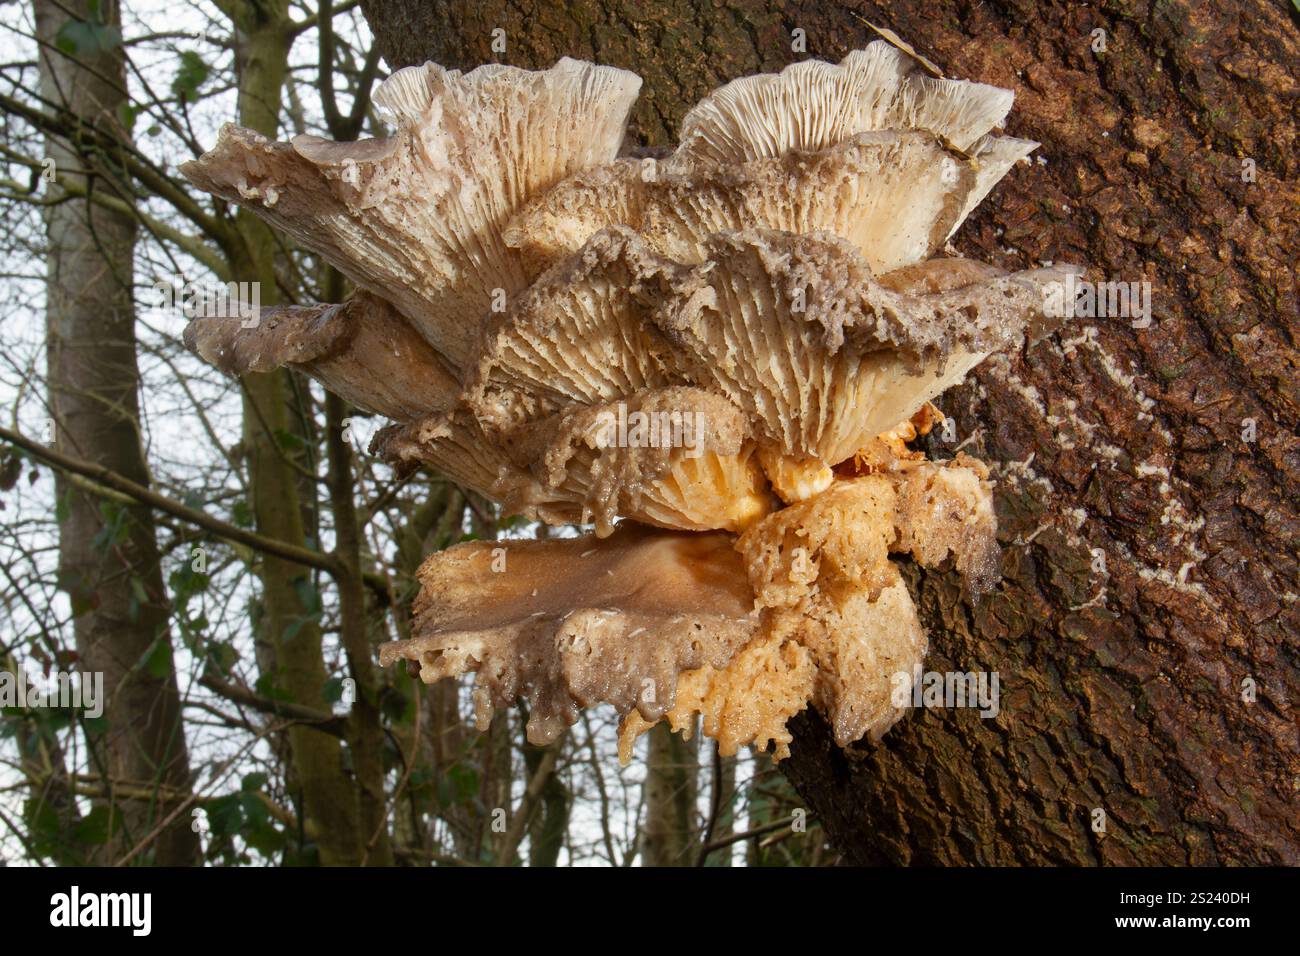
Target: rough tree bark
1168 451
108 553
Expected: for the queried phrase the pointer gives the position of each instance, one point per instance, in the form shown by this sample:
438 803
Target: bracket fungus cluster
717 358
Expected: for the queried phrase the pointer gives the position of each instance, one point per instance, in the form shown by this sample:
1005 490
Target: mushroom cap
569 623
559 221
580 334
674 458
361 350
417 217
796 332
794 479
451 443
898 195
812 104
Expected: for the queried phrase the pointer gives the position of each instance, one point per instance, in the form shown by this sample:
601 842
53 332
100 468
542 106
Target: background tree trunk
1146 477
671 830
327 793
108 552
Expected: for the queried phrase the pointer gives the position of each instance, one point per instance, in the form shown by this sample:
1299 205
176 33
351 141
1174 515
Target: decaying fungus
717 359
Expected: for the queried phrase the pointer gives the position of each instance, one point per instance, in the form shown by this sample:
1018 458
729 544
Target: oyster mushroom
812 104
568 623
361 350
873 149
523 294
896 195
416 218
676 458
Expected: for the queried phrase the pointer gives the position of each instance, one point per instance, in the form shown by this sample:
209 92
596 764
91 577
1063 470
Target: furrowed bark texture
1146 477
108 557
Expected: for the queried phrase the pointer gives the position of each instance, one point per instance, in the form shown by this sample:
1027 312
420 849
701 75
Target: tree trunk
108 552
1146 477
365 731
670 834
550 820
329 804
723 801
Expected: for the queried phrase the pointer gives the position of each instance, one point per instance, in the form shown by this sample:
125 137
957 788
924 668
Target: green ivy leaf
189 76
97 826
94 726
157 660
332 692
395 705
225 814
308 595
44 830
126 114
260 832
186 582
223 656
87 38
288 441
115 529
462 784
266 687
255 811
139 598
242 514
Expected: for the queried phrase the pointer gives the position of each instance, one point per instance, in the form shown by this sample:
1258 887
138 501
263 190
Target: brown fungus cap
451 443
572 623
361 350
673 457
676 458
580 334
